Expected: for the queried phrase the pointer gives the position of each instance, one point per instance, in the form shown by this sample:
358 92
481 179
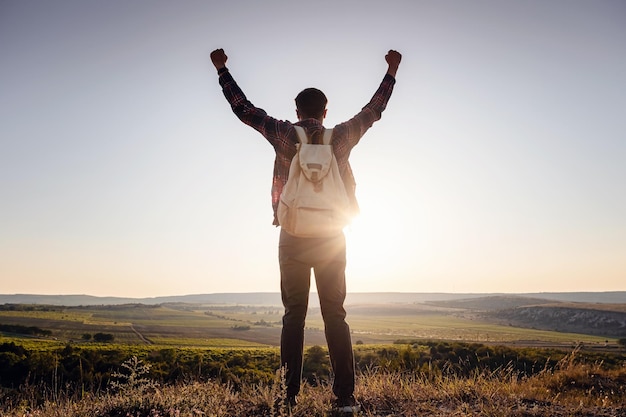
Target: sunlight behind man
380 240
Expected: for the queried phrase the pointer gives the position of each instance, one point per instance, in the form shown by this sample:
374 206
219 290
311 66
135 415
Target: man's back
314 201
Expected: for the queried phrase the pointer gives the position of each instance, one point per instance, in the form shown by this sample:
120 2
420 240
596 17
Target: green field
190 325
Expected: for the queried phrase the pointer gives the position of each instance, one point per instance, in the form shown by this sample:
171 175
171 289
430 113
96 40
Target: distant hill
611 297
273 298
491 303
595 318
86 300
568 318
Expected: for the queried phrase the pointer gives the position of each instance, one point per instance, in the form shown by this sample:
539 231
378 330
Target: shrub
103 337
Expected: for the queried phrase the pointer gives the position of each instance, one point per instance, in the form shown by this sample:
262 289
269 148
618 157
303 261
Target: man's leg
295 280
331 287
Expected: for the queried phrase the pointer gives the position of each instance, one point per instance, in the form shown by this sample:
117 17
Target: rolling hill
273 298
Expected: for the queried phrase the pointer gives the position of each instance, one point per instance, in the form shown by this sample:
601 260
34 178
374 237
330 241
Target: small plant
133 376
279 393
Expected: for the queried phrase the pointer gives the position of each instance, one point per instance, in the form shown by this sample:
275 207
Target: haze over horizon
498 166
582 299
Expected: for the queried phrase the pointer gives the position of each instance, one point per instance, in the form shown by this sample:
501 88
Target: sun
377 245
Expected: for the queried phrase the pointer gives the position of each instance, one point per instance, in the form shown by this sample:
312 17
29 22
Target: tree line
25 330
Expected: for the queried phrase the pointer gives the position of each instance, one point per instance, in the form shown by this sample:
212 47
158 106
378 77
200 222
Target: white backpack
314 202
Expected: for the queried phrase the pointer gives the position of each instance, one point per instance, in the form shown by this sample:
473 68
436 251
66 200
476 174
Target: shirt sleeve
348 134
275 131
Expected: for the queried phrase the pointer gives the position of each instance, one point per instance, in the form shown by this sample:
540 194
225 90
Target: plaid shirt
283 137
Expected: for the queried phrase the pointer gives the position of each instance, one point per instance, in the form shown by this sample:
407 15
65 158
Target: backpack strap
303 138
328 137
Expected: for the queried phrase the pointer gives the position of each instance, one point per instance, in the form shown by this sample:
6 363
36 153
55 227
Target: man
297 255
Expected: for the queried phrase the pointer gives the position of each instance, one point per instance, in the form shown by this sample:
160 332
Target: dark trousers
327 257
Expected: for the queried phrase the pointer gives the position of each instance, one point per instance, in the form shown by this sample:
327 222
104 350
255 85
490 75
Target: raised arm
350 132
275 131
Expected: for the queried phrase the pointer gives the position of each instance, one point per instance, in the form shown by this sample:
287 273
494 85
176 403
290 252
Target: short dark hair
311 102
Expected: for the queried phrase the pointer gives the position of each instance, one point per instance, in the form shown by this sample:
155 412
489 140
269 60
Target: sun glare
378 244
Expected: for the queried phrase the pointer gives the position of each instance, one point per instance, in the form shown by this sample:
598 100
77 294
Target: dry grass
572 389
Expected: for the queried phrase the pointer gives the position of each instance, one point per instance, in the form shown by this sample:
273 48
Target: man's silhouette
297 255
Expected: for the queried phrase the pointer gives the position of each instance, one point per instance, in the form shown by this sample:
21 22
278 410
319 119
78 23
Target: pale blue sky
499 165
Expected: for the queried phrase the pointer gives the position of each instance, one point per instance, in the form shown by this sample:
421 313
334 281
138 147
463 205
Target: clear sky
498 166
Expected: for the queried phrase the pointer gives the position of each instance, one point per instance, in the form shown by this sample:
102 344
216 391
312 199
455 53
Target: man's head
311 103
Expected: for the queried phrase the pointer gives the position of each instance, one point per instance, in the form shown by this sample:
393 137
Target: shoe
347 405
291 402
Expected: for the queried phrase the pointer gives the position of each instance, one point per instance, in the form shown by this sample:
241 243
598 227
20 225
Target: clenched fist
219 58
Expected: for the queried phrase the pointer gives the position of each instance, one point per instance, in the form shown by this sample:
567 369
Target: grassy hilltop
571 388
493 356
